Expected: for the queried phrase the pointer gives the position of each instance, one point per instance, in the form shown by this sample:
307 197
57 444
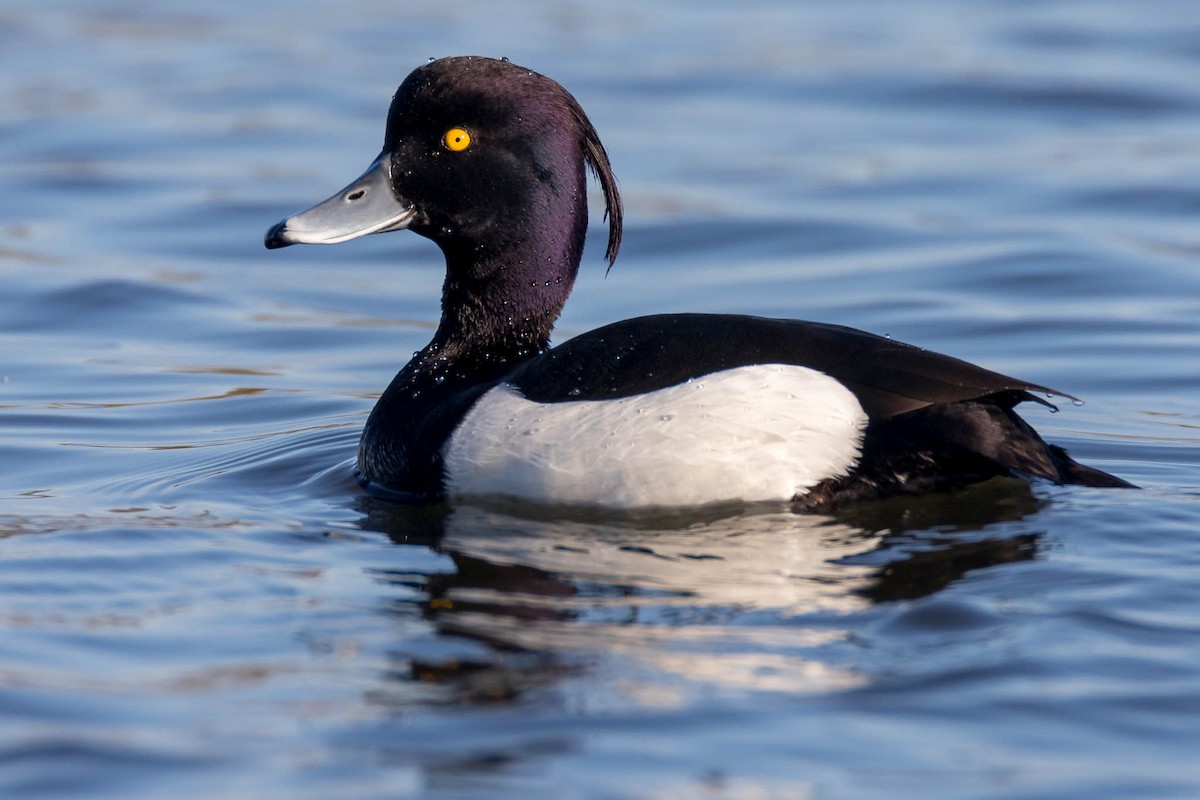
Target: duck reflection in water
757 599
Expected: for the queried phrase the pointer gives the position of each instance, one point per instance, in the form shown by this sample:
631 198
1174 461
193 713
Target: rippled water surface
195 600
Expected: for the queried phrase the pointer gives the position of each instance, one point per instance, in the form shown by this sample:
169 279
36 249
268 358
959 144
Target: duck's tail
1071 471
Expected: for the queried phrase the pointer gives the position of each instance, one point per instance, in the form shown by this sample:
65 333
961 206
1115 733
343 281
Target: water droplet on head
504 59
1077 402
432 59
666 418
574 391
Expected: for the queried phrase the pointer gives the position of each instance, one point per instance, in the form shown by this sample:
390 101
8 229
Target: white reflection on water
674 595
661 607
775 560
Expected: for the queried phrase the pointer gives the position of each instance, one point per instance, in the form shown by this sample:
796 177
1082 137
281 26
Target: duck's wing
648 353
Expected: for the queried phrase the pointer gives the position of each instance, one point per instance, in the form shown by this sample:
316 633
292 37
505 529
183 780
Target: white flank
766 432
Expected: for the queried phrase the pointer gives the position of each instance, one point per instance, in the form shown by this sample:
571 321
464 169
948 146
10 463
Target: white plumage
763 432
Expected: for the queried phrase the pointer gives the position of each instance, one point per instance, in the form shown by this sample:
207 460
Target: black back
647 353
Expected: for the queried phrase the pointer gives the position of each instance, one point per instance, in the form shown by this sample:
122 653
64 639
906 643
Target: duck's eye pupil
456 139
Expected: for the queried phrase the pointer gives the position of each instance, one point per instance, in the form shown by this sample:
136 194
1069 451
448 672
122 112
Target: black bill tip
277 236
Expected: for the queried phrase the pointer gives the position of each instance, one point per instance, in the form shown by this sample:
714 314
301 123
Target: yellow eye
456 139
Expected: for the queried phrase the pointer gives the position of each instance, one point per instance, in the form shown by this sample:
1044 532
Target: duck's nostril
356 195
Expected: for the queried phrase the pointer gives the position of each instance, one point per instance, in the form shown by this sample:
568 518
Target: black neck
504 290
498 303
500 300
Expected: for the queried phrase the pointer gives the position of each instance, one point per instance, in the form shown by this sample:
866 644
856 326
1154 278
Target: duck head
489 160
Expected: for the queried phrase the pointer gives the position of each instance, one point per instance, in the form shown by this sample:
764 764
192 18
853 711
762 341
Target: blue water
195 601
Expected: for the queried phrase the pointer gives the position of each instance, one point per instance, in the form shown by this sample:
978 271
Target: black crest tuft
597 161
